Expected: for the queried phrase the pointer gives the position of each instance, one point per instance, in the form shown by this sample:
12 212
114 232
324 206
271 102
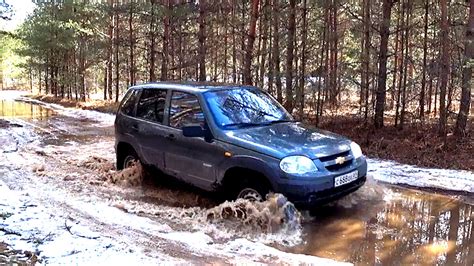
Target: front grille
330 162
338 167
334 156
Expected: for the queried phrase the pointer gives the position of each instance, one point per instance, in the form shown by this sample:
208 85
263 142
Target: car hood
292 138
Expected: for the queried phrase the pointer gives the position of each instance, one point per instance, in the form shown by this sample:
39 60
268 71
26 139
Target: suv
236 139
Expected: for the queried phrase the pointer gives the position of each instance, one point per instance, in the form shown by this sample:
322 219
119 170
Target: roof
188 85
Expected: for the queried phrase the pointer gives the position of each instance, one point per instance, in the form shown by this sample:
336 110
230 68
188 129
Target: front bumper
308 193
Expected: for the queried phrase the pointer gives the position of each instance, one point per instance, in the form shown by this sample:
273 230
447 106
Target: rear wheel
129 161
127 158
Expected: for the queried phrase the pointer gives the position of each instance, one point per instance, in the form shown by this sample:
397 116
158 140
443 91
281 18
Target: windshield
242 107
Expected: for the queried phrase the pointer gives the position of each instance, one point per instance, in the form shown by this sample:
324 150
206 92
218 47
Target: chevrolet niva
234 139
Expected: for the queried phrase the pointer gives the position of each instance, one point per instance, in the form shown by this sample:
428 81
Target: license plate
344 179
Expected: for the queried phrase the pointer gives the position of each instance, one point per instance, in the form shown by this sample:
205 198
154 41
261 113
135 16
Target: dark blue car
235 139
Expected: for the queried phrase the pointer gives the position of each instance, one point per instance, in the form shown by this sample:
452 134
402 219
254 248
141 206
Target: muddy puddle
55 129
380 224
20 110
397 226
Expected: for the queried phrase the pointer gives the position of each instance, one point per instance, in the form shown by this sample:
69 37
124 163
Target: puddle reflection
14 109
414 228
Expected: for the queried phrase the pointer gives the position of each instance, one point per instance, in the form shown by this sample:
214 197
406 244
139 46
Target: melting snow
103 118
396 173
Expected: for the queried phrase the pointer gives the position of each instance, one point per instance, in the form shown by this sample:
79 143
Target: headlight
297 165
356 150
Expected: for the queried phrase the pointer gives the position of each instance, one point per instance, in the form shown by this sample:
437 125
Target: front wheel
253 191
250 194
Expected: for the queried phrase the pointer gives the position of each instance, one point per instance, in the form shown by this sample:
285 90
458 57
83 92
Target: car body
189 131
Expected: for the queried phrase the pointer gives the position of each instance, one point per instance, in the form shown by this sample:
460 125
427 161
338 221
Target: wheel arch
240 168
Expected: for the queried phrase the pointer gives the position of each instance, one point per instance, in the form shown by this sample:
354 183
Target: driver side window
185 110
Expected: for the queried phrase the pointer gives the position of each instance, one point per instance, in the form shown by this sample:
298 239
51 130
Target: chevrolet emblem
340 160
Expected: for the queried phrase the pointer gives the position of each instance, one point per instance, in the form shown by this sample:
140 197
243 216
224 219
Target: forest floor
417 144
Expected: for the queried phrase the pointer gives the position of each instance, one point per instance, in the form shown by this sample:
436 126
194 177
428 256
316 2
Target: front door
191 159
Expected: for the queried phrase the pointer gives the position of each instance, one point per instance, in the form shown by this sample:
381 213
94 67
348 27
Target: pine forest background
381 62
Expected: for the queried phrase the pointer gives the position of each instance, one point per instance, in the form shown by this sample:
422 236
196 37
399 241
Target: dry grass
417 144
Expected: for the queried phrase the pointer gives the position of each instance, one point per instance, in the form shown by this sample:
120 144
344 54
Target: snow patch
396 173
103 118
28 224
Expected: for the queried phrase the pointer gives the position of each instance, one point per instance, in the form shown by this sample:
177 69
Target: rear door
149 128
125 119
190 159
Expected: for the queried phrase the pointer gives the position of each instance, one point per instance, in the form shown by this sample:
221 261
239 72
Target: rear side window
129 101
151 105
185 110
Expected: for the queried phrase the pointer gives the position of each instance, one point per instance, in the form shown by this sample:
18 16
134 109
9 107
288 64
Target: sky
21 9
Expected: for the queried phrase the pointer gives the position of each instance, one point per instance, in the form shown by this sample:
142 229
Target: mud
9 256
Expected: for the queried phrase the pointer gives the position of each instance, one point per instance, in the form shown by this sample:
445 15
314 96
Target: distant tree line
404 60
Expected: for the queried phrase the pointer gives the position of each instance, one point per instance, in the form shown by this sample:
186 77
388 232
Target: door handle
171 137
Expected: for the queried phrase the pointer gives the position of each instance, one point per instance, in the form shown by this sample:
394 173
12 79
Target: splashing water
132 176
270 216
273 221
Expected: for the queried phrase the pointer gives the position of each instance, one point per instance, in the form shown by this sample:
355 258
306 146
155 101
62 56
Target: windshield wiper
243 124
278 121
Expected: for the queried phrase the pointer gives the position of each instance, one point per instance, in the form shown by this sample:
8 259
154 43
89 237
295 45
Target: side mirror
194 131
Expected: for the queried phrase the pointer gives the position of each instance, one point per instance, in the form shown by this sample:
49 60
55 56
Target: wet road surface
380 224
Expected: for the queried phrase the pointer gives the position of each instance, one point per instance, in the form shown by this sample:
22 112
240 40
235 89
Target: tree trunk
402 64
132 45
365 60
151 33
322 73
110 47
264 51
382 78
250 41
234 44
202 40
166 40
406 64
444 68
290 56
276 49
425 52
466 75
300 94
395 63
224 63
117 66
334 54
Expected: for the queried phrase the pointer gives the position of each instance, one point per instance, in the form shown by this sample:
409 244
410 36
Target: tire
253 190
126 159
